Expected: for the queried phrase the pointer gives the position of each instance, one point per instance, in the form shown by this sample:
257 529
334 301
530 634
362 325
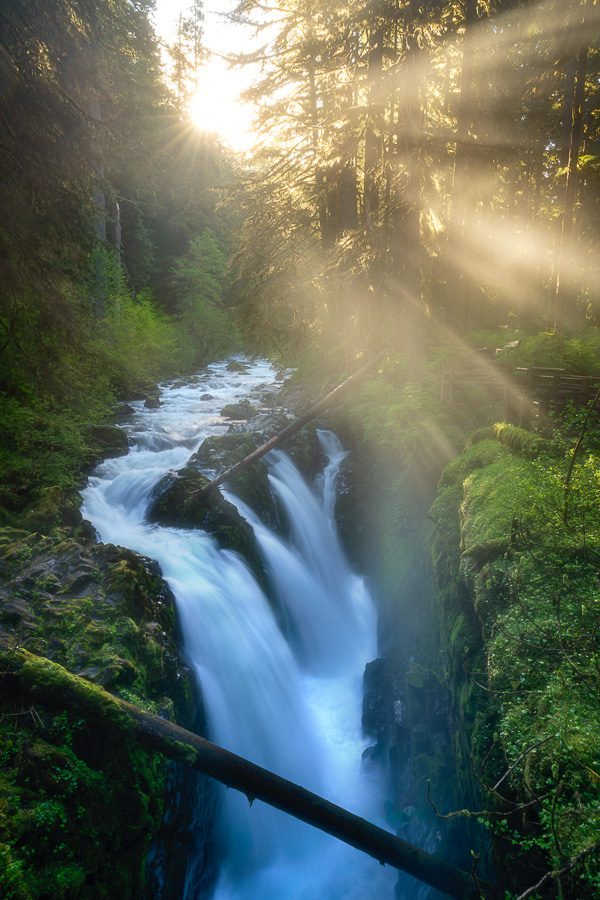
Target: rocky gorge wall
80 806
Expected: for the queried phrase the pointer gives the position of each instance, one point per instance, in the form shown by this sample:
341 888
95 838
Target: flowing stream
283 691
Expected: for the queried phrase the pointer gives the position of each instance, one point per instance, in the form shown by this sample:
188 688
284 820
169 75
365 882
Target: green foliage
578 355
532 581
139 343
45 413
207 329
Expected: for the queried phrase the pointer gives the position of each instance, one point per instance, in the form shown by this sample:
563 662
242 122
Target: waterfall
281 687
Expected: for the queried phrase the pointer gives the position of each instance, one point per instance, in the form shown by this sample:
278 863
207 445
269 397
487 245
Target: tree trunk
50 684
457 287
564 285
373 130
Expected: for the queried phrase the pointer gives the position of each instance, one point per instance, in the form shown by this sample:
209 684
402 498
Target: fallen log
51 684
295 426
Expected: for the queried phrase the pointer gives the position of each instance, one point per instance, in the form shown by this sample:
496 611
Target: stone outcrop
81 807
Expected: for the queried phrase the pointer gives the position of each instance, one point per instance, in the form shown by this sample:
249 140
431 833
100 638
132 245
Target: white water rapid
285 691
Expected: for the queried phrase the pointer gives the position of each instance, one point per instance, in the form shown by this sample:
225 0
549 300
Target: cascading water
283 691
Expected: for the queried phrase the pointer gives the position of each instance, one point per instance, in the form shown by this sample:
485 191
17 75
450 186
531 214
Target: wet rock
106 441
123 411
251 484
207 397
145 390
242 410
235 366
120 634
268 399
180 501
377 683
152 402
53 507
120 672
14 610
221 451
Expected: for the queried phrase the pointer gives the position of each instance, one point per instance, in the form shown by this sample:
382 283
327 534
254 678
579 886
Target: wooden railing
523 396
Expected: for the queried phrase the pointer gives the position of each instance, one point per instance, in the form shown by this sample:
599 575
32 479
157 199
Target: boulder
119 631
107 440
251 485
235 366
123 411
242 410
179 501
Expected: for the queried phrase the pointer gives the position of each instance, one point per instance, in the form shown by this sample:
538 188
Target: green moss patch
519 609
79 802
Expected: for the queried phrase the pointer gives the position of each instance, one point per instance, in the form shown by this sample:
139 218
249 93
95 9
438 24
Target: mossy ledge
517 606
82 807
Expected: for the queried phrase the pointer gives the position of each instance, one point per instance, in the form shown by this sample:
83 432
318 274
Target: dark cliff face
82 808
516 600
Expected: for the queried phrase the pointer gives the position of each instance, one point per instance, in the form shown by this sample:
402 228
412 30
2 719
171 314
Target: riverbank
480 651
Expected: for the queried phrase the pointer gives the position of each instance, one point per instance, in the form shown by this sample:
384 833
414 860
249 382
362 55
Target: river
284 691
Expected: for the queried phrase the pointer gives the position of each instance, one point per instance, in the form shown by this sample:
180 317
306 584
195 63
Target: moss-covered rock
242 410
181 500
518 440
218 453
516 585
80 806
106 440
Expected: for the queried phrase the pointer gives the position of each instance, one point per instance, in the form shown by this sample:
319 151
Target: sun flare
216 107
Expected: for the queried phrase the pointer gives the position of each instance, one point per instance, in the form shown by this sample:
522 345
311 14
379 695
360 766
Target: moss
14 886
479 456
76 798
527 698
519 441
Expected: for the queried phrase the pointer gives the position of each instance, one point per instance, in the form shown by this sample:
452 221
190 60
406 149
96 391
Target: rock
145 390
54 507
14 610
106 441
221 451
179 502
242 410
123 411
87 531
152 402
376 699
251 485
268 399
235 366
207 397
120 672
83 778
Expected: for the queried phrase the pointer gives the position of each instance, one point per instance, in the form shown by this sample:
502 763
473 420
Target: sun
216 107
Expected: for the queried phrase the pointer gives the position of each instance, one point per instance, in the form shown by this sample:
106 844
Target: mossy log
51 684
295 426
